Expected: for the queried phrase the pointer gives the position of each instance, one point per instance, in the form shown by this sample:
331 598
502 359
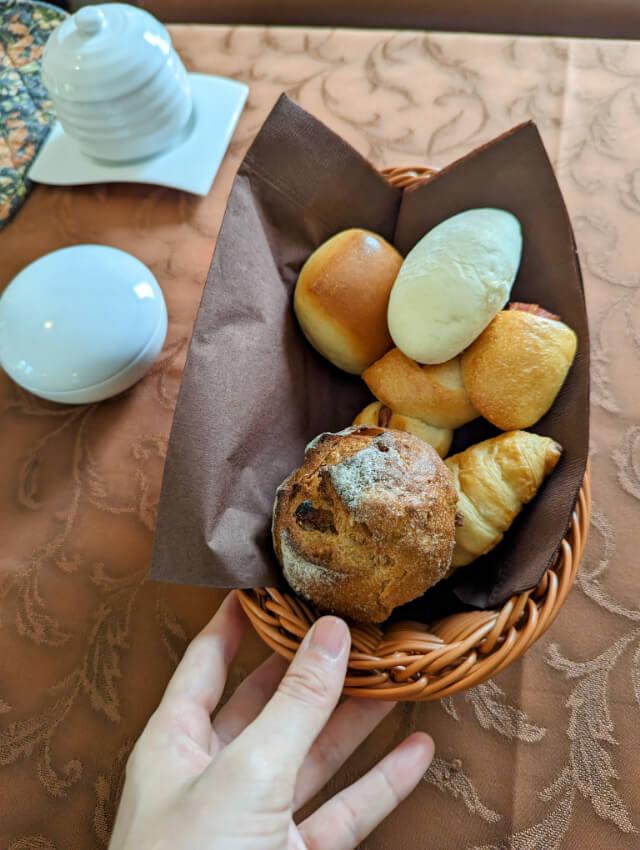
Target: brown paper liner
254 392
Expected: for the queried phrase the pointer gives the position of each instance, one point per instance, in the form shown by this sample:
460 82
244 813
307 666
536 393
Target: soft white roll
453 282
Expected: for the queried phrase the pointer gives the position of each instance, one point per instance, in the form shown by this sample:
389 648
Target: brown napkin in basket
254 392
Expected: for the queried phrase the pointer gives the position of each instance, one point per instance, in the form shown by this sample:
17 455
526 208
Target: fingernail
329 635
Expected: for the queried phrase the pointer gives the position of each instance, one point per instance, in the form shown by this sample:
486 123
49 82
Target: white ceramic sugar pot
81 324
118 86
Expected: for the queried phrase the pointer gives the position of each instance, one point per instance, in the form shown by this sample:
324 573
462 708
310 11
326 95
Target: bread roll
515 369
494 479
367 522
435 394
341 298
377 413
453 282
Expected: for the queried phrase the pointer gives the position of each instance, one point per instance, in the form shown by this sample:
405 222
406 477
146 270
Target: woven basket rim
412 661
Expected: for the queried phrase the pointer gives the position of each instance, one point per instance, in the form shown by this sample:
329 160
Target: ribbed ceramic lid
103 52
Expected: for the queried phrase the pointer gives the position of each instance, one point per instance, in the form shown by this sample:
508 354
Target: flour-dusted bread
453 282
434 394
366 523
515 369
494 479
379 414
341 298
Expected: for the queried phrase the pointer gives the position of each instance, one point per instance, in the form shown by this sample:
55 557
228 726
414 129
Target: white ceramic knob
89 20
117 84
81 324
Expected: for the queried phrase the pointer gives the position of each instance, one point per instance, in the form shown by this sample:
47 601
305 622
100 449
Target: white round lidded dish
117 84
81 324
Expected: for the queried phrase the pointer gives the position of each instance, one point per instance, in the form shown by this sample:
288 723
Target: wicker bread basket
416 661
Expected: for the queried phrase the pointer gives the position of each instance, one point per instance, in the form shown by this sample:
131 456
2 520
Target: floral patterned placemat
26 112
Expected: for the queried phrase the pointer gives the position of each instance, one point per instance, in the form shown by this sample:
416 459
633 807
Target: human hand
234 783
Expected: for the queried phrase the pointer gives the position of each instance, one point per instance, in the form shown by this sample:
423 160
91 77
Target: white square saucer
191 164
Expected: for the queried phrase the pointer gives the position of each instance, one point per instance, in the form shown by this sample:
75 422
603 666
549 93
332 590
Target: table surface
543 757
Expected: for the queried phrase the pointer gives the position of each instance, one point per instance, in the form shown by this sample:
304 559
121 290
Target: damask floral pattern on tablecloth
26 112
544 757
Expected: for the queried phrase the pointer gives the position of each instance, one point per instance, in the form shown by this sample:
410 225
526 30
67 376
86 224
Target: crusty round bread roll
379 414
367 522
341 298
453 282
514 370
435 394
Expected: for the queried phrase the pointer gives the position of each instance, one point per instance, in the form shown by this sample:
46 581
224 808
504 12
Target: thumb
306 696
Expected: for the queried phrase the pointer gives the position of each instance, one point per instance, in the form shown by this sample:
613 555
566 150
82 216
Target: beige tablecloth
544 757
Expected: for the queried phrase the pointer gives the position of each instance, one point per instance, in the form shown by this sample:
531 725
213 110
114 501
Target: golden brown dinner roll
515 369
377 413
366 523
435 394
494 479
341 298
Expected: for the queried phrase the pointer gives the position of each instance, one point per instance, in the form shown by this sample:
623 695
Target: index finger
292 719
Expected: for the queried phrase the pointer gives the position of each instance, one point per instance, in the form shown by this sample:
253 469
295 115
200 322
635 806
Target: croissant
378 414
494 479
